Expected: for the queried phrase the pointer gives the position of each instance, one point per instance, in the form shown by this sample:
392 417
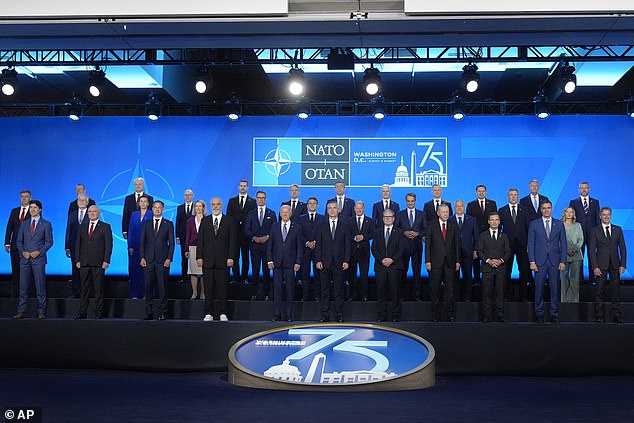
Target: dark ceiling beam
103 57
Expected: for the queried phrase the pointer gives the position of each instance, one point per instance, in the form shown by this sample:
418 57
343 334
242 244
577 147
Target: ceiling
249 57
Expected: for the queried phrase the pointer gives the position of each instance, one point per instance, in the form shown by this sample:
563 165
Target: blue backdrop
210 154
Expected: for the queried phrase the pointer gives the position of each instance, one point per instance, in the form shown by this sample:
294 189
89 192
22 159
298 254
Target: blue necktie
284 233
411 218
261 215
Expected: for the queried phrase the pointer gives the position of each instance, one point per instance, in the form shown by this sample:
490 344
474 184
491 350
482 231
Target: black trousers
615 281
388 279
156 276
309 290
413 253
283 278
215 290
240 267
518 291
493 284
359 285
91 281
184 261
466 265
260 285
15 273
333 274
446 274
75 278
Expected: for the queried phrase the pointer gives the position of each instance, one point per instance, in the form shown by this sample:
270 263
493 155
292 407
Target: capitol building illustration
427 178
316 374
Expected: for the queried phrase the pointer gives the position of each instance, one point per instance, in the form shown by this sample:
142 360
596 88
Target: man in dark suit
215 254
298 207
332 253
468 234
608 256
442 260
384 204
587 214
514 223
388 248
309 224
16 217
431 207
547 248
411 222
345 204
157 252
494 250
93 250
35 238
361 232
257 228
238 208
74 220
479 209
284 256
532 203
183 213
80 189
131 204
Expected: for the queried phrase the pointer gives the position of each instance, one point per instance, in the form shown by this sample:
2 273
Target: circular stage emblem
333 357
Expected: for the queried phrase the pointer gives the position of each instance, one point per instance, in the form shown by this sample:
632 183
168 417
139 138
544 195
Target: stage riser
565 349
120 289
307 311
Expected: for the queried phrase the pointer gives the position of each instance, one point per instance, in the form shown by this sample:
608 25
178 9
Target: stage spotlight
74 109
456 110
203 81
9 81
96 83
630 108
233 108
296 81
567 78
303 111
542 109
470 78
153 108
378 110
372 81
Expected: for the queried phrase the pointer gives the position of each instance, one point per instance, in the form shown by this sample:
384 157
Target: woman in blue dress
137 285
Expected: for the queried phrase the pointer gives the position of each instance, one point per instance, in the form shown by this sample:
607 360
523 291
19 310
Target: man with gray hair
385 203
131 204
183 213
73 221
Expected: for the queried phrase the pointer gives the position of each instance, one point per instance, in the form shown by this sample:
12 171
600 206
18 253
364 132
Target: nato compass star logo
277 162
122 184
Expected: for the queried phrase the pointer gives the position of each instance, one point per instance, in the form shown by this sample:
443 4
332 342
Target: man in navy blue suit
74 220
479 209
514 223
384 204
298 207
309 223
361 232
387 249
533 201
333 258
345 204
547 248
157 252
257 228
431 207
411 221
587 214
16 217
183 213
468 234
284 255
35 238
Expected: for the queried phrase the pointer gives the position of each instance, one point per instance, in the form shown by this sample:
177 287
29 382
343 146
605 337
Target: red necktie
32 227
92 229
444 231
23 215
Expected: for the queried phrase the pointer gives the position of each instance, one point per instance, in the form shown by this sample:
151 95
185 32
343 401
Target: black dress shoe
324 320
340 319
486 320
395 320
277 318
451 319
365 299
554 319
290 319
618 320
41 316
79 316
600 320
98 316
148 317
161 317
381 319
19 315
501 320
434 319
540 320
